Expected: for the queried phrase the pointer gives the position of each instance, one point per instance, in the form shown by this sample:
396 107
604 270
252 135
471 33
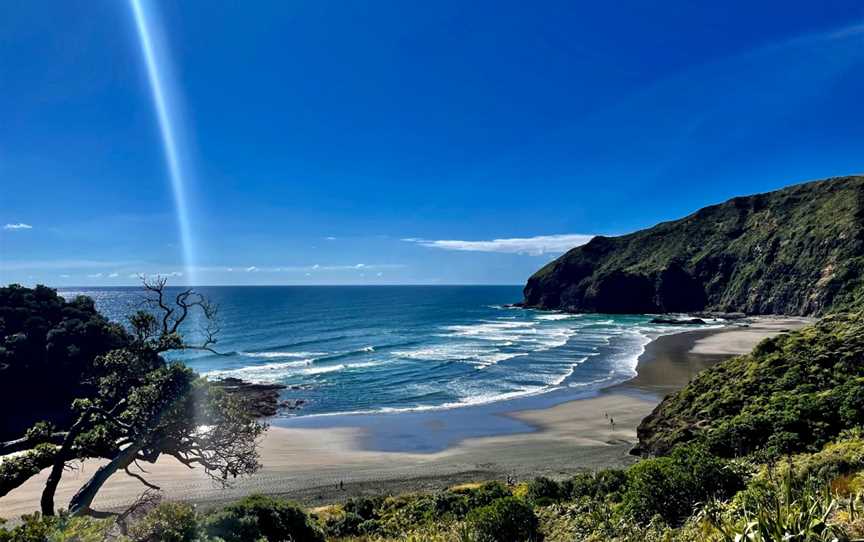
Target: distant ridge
797 251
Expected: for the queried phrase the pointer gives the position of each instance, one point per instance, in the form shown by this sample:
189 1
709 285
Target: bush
259 517
168 522
347 524
365 507
543 491
485 494
505 520
671 486
39 528
605 484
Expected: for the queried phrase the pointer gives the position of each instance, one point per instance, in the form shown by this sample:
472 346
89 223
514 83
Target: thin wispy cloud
18 226
312 268
533 246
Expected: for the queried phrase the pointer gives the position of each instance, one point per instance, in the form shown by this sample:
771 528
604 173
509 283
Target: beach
330 459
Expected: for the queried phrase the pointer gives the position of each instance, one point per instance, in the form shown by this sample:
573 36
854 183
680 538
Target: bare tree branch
141 479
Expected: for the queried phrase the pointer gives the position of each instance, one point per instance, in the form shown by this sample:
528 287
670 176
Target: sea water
402 348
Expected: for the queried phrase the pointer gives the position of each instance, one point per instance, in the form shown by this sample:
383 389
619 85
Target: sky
400 142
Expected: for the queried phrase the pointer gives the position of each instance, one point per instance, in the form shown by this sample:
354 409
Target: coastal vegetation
796 251
127 404
793 393
761 447
688 496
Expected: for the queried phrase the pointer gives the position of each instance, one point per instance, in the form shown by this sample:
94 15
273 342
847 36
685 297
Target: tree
47 349
144 407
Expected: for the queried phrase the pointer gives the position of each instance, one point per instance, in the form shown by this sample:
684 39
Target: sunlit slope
798 251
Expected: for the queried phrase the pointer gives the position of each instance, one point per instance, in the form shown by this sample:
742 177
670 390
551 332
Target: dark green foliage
346 524
364 507
47 350
672 486
16 470
485 494
33 528
604 484
265 517
505 520
793 393
793 251
542 491
168 522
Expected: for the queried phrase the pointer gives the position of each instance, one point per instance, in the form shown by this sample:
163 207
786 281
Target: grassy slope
799 250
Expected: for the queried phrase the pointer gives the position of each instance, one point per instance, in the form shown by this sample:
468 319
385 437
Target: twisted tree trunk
80 503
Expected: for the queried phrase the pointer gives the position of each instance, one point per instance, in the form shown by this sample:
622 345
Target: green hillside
799 250
792 393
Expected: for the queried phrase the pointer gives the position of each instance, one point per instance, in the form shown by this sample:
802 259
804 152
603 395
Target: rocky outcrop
262 399
678 321
799 250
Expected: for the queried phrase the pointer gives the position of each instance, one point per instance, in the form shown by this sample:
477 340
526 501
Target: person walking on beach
612 423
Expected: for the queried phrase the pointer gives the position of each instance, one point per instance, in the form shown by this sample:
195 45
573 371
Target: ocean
346 350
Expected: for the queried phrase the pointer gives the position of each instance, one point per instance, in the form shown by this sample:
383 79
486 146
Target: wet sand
554 437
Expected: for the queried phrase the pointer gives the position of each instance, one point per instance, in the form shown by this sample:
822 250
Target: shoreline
554 437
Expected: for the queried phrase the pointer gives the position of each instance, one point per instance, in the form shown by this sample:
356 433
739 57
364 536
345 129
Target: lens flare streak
165 115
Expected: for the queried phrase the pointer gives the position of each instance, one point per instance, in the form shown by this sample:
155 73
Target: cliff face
799 250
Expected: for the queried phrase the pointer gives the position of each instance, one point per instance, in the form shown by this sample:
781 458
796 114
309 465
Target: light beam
166 116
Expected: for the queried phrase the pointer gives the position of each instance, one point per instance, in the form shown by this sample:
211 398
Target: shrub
33 528
671 486
365 507
543 491
168 522
505 520
604 484
39 528
260 516
486 494
346 524
779 507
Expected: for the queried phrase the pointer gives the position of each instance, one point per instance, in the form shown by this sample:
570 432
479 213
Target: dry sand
308 464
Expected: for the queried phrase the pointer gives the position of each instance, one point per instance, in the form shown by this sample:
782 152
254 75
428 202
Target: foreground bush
505 520
39 528
672 486
168 522
265 517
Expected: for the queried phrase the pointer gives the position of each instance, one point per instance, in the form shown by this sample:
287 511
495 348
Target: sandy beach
556 438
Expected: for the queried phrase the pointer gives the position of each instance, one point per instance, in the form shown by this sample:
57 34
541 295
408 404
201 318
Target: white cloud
95 275
534 246
251 269
113 275
18 226
359 266
330 238
64 276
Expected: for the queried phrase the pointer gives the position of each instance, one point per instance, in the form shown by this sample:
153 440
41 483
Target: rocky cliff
799 250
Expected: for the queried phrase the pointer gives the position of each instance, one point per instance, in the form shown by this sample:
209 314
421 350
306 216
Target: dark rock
262 399
719 315
292 404
678 322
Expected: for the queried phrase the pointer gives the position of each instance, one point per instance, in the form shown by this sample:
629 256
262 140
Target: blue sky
403 142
